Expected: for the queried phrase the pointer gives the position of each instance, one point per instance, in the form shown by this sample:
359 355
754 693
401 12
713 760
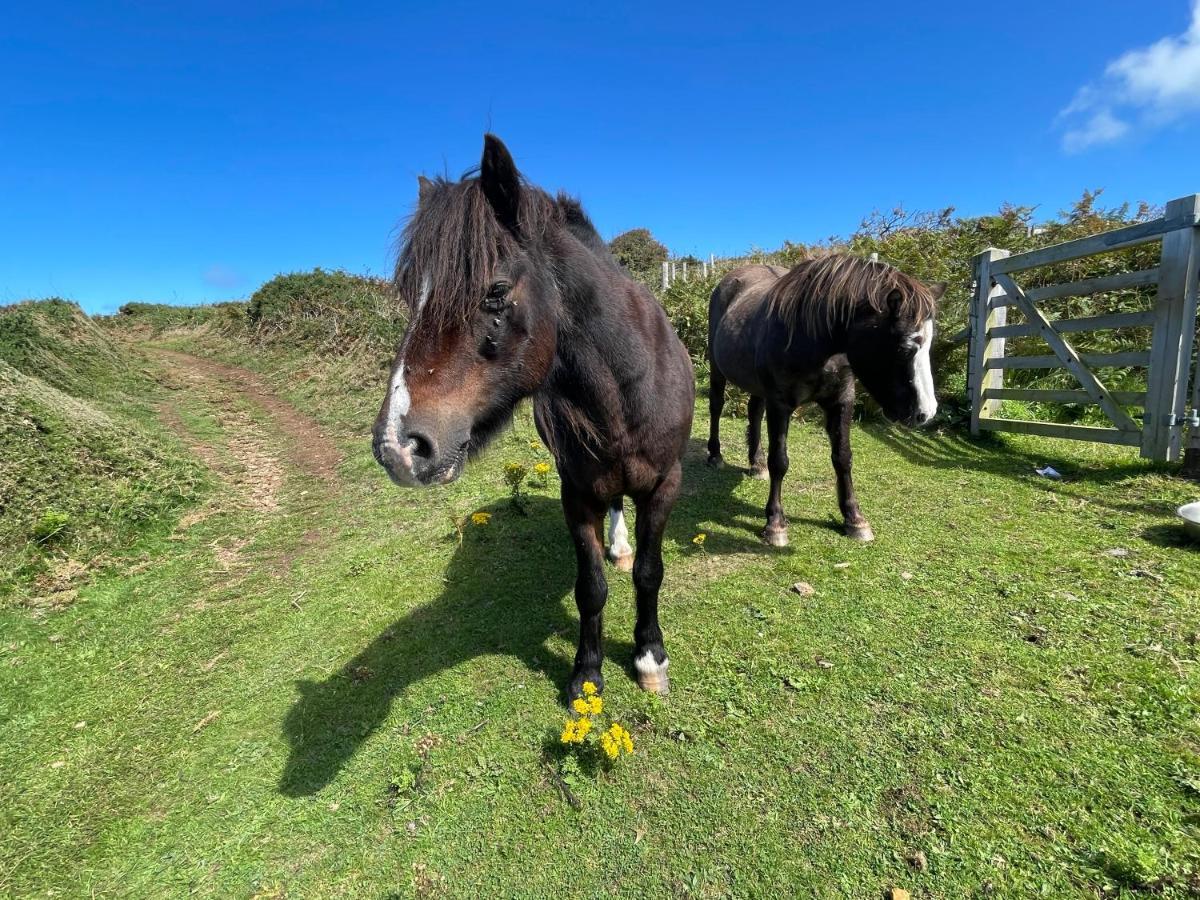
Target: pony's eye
497 297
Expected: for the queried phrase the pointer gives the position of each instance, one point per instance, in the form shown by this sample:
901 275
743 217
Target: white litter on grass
1049 472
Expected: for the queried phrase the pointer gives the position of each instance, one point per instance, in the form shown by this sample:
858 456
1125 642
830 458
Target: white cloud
1101 127
1147 87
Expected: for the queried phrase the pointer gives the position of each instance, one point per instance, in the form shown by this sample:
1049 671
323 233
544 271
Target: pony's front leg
649 654
779 417
585 520
837 425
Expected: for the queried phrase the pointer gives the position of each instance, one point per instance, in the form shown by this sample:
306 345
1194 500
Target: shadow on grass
509 589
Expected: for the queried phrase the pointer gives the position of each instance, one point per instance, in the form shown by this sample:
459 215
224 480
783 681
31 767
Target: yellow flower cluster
575 731
590 706
699 539
542 468
481 518
615 741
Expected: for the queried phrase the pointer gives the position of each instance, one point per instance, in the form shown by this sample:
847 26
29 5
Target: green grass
358 706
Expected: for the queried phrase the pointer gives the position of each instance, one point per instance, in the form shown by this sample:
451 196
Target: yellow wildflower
698 540
542 468
609 745
589 688
595 705
568 732
481 518
580 706
582 727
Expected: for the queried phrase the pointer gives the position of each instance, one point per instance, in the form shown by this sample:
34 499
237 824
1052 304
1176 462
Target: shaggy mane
454 239
825 292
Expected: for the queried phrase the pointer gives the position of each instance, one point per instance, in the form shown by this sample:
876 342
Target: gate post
1174 336
982 317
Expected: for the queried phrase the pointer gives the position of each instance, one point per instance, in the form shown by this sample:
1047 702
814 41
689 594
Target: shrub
327 310
639 252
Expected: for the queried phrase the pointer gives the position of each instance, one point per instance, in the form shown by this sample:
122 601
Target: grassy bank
85 469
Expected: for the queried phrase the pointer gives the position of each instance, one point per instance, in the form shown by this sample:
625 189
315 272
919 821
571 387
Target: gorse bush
331 310
326 312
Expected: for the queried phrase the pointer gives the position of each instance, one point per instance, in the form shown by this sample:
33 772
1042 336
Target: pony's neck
597 348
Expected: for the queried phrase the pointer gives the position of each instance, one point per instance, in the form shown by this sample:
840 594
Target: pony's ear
501 181
937 289
424 186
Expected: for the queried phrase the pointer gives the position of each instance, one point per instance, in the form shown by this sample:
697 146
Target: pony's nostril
420 446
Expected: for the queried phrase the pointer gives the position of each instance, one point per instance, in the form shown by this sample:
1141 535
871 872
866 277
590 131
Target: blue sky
183 153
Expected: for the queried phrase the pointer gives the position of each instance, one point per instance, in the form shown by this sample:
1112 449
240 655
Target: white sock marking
647 666
618 534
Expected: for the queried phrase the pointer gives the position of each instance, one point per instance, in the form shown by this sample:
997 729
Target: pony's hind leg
838 414
649 654
758 459
585 520
779 417
716 403
620 554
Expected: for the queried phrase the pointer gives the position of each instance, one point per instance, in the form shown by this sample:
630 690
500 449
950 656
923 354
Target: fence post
981 318
1174 335
685 270
666 271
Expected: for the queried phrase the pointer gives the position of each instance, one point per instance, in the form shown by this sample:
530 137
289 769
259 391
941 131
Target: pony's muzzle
396 457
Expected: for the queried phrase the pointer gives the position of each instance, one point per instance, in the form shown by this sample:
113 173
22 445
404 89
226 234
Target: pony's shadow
504 593
508 590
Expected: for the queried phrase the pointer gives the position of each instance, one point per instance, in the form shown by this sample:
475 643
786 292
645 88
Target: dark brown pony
791 337
514 294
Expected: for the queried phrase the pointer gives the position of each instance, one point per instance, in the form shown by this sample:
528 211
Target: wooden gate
1167 359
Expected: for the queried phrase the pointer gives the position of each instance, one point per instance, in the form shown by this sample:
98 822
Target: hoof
651 675
776 537
861 532
622 562
715 462
759 472
577 680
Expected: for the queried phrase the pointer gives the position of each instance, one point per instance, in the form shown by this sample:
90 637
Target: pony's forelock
453 243
826 292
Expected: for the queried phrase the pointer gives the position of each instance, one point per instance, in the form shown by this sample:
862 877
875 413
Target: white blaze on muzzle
922 375
397 452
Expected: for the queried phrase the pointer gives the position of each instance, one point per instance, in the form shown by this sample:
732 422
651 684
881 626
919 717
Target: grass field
310 687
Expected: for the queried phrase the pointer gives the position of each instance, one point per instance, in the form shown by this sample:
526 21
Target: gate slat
1129 236
1086 323
1125 398
1056 430
1118 360
1119 282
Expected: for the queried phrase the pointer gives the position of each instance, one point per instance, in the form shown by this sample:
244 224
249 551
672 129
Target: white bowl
1190 513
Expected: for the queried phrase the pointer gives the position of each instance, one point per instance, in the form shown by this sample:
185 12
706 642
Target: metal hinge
1191 419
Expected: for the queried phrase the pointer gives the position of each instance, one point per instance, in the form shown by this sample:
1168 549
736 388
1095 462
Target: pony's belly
730 355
